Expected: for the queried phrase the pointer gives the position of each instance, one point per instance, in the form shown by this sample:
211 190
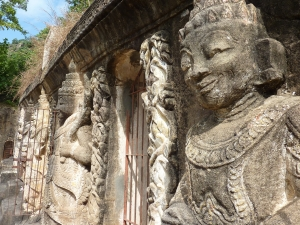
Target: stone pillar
160 106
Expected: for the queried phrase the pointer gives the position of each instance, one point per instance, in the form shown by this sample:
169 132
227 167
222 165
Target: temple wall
91 83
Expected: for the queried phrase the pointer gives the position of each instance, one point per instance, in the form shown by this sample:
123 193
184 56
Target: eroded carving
243 160
100 118
159 104
19 136
68 181
36 147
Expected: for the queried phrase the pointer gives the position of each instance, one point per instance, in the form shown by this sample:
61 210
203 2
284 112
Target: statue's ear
272 64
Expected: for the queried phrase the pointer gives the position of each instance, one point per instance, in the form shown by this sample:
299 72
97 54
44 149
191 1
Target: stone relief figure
67 181
36 151
24 143
19 136
243 161
159 104
101 124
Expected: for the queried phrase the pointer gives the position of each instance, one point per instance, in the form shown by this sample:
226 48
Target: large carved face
219 62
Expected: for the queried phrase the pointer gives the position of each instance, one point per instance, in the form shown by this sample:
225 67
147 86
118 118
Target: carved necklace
207 155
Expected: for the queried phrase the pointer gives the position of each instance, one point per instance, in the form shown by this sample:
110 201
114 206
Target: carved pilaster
100 119
160 104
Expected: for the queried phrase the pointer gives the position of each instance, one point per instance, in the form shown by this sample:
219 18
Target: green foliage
8 17
79 5
13 60
43 33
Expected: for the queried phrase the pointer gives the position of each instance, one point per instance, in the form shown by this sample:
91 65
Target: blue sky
38 14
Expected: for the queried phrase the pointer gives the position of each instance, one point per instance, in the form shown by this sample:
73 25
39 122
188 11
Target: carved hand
179 214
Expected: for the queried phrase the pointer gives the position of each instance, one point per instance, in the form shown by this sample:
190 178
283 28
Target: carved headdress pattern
71 94
212 11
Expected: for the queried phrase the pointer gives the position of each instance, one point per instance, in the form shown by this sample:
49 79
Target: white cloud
41 12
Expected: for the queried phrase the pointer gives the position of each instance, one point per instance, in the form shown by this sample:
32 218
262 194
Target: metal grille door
30 161
136 163
8 149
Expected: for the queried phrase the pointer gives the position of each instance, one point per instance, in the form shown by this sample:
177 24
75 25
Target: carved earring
271 61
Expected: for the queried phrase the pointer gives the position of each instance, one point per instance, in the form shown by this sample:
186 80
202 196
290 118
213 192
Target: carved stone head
226 53
71 94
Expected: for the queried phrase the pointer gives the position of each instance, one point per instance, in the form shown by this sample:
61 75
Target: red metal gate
8 149
136 163
30 163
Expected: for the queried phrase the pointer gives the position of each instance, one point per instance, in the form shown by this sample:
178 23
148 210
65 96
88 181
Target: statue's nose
199 73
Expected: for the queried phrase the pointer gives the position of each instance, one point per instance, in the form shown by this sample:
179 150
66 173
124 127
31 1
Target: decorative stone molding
159 104
101 123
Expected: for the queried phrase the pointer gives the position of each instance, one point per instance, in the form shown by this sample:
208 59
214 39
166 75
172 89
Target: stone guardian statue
68 181
243 161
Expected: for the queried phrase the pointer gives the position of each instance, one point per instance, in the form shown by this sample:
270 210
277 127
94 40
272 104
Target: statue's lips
206 86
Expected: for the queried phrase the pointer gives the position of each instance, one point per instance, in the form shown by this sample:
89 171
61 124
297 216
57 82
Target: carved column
160 104
100 119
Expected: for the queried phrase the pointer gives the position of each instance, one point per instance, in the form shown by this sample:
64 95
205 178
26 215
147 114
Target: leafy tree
8 17
79 5
13 60
43 33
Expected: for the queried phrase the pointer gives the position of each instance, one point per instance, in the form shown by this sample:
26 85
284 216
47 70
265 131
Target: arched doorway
130 84
136 163
8 149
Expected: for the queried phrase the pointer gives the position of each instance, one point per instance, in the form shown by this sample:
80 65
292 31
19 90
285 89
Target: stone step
11 212
10 207
7 176
10 188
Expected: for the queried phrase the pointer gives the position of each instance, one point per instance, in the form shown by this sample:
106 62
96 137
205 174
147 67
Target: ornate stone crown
71 94
203 4
212 11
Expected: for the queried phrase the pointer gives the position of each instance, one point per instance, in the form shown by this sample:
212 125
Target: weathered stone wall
105 47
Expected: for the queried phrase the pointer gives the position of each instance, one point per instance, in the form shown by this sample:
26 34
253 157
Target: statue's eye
186 61
211 53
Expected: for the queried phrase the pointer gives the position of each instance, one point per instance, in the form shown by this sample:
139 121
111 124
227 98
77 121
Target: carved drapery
100 119
159 104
